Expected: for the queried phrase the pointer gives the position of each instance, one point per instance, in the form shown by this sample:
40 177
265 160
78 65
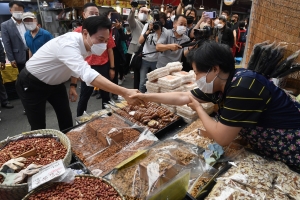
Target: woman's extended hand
194 104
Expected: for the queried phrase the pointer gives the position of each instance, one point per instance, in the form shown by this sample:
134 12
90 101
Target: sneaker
7 105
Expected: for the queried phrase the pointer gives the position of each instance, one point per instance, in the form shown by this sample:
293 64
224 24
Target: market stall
149 151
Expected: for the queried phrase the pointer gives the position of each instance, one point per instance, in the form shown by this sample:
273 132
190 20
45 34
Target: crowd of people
102 51
155 35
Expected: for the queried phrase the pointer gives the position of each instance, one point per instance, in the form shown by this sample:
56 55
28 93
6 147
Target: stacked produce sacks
171 79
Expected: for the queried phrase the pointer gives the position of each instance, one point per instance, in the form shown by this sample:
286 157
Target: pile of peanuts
82 188
48 150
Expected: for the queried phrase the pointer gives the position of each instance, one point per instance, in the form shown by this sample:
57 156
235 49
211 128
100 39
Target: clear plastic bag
195 137
288 182
175 189
105 161
155 171
202 180
248 174
228 191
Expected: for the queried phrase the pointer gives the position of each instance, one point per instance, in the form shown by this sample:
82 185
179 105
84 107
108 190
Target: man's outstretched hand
131 96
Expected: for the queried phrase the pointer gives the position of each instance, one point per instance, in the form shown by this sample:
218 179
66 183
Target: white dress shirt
60 58
22 30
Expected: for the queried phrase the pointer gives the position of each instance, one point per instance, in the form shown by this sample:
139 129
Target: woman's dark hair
12 3
210 54
178 16
242 24
163 15
93 24
223 19
226 11
192 10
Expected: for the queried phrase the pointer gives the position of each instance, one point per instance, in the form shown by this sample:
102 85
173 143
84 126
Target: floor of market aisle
14 121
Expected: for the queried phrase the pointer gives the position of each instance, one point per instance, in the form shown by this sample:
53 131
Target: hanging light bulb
118 8
45 4
162 8
202 6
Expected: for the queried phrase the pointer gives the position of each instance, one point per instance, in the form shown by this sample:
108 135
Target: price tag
48 173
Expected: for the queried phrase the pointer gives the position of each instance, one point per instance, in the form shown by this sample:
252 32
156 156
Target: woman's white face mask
205 87
142 17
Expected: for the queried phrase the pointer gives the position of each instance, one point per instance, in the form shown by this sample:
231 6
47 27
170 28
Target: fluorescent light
45 4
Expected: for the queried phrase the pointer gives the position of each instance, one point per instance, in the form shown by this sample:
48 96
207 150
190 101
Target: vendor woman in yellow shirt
250 105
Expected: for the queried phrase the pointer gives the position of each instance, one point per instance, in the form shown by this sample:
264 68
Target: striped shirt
252 100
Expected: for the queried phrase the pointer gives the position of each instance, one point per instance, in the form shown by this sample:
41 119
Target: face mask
172 18
127 29
30 25
91 16
245 24
142 17
220 26
98 49
232 20
224 16
204 86
216 22
17 15
181 30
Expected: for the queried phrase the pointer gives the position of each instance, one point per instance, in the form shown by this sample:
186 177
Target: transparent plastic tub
153 89
179 89
186 77
187 111
169 82
158 73
174 67
189 86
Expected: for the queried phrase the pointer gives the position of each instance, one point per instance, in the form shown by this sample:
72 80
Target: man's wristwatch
112 68
73 84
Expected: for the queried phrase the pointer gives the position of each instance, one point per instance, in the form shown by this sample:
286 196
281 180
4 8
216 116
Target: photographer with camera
169 43
136 25
150 35
204 19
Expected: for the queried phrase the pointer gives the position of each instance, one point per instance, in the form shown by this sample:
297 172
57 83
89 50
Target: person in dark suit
13 31
3 94
225 34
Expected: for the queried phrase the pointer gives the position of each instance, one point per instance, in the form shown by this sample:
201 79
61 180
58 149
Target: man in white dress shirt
63 57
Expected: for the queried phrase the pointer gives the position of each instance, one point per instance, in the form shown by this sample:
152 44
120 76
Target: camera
188 2
156 25
135 3
204 33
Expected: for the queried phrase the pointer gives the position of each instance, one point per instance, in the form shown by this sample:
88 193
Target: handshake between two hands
135 97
